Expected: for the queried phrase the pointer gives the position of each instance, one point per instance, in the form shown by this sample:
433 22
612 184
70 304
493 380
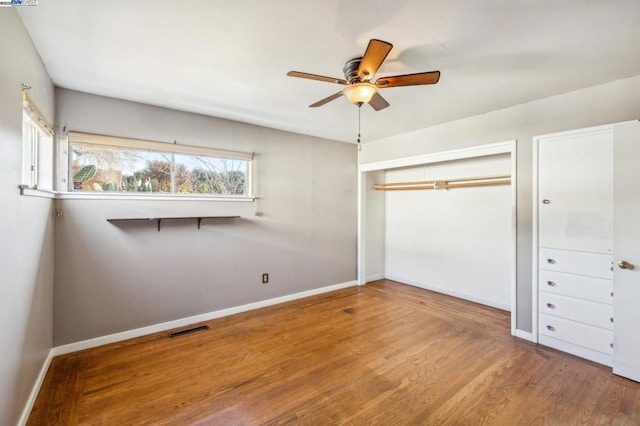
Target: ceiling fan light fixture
360 93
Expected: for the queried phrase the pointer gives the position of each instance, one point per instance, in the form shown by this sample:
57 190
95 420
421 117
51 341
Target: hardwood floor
385 354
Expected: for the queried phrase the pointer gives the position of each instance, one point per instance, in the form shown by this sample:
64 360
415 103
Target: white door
626 248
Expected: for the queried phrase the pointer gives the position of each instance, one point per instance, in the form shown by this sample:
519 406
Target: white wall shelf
159 220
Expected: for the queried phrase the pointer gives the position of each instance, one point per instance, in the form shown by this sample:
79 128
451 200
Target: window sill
112 196
42 193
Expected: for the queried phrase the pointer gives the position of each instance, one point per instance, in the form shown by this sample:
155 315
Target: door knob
623 264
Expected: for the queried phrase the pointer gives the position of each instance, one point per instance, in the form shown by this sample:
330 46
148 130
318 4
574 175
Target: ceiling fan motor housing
351 70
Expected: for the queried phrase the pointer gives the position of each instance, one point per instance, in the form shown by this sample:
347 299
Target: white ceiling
230 59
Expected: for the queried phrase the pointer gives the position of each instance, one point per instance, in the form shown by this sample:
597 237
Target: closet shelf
159 220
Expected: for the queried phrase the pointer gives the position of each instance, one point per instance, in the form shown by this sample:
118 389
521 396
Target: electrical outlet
265 278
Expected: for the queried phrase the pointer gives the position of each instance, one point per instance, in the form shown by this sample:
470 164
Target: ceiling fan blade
417 79
326 100
316 77
376 52
377 102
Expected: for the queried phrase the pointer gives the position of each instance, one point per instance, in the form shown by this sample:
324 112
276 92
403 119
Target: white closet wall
455 241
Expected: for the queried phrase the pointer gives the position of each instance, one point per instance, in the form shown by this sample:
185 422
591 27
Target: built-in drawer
584 311
588 336
577 262
589 288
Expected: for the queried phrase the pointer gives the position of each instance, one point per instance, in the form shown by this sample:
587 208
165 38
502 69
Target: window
117 165
37 148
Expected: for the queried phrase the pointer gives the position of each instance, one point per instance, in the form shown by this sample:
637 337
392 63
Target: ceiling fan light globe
360 93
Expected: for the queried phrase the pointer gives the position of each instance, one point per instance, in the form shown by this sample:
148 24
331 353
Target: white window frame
38 153
88 139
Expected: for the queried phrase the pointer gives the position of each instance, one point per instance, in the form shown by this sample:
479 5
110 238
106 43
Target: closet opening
445 222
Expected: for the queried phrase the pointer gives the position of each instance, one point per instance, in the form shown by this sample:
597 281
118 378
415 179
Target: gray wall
26 227
116 278
609 103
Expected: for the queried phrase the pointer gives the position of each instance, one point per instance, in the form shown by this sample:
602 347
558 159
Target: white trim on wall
514 238
507 147
361 257
524 335
137 196
143 331
375 277
165 326
455 154
35 390
534 243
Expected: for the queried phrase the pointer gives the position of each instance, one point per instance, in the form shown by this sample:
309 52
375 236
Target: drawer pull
551 328
551 261
545 201
611 319
551 306
551 284
611 294
611 344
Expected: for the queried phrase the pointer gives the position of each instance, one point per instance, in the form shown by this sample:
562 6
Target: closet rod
444 184
430 182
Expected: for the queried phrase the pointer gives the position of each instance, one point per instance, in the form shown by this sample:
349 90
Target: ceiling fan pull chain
359 108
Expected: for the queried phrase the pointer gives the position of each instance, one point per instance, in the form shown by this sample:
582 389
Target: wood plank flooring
386 354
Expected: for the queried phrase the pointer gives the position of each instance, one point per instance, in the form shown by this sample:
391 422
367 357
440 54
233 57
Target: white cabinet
587 255
577 309
575 191
576 262
574 202
578 286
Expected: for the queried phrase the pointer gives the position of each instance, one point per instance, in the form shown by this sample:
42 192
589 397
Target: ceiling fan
358 73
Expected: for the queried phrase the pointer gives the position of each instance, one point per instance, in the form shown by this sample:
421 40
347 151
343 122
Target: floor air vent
188 330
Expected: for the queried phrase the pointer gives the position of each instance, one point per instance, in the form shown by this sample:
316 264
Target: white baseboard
138 332
375 278
526 335
26 411
448 292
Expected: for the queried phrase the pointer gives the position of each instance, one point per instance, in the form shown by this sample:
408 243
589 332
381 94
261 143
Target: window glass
101 168
210 175
37 155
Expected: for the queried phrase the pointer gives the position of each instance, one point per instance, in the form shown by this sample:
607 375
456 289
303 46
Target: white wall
455 241
116 278
608 103
26 227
